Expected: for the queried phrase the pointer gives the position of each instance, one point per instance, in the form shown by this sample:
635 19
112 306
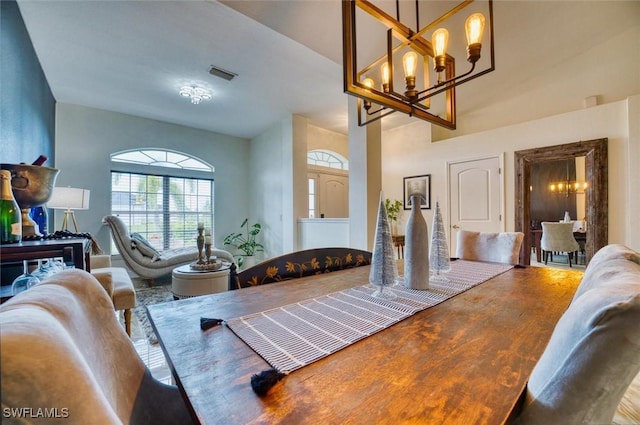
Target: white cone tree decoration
384 270
439 255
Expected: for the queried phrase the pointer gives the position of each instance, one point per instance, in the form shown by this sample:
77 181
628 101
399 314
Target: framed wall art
420 184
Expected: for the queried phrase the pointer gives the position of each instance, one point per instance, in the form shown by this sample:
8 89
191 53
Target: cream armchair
117 283
149 264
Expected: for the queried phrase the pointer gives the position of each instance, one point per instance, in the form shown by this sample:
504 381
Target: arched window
162 195
327 158
161 158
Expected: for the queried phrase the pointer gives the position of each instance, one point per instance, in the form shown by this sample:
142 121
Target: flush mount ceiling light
197 94
381 42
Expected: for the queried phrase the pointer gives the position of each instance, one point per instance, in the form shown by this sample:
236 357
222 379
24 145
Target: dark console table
75 250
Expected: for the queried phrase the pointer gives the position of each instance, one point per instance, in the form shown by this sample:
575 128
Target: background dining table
463 361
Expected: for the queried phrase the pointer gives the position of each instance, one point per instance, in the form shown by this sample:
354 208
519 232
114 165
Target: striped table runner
295 335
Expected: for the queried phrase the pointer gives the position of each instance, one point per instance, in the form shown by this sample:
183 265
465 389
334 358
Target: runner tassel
206 323
263 381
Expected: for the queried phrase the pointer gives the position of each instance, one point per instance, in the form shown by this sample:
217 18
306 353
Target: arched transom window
162 158
326 158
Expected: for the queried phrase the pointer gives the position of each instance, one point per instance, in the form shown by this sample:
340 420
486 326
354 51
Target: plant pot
246 261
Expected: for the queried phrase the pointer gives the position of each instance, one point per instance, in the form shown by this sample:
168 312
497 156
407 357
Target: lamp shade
71 198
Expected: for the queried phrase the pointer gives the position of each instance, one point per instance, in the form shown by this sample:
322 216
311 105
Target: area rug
150 296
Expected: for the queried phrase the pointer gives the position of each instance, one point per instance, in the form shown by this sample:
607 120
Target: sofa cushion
613 263
141 244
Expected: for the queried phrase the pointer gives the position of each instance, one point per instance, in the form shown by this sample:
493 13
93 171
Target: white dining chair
502 247
558 237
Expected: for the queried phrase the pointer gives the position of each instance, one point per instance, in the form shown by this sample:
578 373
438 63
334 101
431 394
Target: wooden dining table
464 361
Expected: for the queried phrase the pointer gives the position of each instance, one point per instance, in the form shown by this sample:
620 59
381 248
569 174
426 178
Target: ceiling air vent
219 72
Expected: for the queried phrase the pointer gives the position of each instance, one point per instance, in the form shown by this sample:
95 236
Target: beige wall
608 68
408 151
320 138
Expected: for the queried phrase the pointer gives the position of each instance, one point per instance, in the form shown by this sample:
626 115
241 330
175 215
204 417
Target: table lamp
69 199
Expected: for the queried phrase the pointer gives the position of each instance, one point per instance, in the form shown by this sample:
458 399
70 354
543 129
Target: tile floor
151 355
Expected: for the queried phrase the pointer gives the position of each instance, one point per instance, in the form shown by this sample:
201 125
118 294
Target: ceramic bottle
416 258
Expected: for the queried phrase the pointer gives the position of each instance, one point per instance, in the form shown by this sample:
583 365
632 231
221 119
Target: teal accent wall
27 106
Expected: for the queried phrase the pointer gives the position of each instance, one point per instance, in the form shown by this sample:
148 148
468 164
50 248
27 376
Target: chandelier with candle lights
375 43
568 186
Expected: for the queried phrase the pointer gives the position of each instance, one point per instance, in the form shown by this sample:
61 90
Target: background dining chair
558 237
298 264
63 348
594 352
503 247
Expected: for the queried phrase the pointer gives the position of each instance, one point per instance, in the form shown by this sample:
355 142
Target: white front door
334 196
475 196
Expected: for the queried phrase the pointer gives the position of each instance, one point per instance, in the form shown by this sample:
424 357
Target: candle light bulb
410 63
439 43
384 70
474 28
368 82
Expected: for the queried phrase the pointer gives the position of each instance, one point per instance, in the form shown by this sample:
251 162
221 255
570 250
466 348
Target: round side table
186 282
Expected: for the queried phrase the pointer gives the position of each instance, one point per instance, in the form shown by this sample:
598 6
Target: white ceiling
133 56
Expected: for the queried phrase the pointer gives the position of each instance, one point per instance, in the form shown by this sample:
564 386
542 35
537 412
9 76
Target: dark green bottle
10 218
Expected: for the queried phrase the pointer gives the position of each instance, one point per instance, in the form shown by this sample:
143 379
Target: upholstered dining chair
502 247
558 237
63 350
594 352
298 264
144 260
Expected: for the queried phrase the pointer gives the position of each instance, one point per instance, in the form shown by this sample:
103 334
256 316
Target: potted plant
393 212
245 242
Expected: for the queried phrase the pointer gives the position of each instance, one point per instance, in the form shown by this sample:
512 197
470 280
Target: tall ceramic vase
416 250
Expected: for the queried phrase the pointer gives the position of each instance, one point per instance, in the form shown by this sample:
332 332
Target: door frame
597 198
501 191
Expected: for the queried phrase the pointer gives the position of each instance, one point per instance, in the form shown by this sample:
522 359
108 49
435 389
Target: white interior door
334 196
475 197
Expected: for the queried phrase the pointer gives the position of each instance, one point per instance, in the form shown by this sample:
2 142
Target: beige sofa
66 359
